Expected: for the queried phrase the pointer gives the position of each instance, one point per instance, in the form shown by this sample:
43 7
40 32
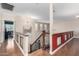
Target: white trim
52 53
20 48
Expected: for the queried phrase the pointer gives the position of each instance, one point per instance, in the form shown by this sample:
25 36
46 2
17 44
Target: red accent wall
54 40
63 38
62 35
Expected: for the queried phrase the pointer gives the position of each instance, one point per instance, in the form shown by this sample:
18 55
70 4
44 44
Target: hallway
70 49
10 51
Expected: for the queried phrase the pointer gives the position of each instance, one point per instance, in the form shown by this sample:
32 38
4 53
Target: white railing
22 42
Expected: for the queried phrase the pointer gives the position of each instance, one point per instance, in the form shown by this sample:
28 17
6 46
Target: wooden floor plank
4 51
40 52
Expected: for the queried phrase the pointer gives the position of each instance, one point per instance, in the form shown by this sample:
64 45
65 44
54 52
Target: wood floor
70 49
40 52
9 51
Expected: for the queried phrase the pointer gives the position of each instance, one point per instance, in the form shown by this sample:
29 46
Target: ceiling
37 10
65 11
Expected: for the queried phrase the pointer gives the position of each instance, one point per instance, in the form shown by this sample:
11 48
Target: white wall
63 26
76 28
18 24
69 25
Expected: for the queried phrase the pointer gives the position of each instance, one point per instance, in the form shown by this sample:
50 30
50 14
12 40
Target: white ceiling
66 11
40 10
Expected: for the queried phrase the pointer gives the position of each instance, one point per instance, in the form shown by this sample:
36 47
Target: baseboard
20 48
76 36
52 53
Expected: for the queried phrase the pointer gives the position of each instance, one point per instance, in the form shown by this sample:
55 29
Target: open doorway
8 30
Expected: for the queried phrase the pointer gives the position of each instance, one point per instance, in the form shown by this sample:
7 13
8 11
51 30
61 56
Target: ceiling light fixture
34 17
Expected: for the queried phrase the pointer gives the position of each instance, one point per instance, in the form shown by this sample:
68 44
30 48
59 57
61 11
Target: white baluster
25 45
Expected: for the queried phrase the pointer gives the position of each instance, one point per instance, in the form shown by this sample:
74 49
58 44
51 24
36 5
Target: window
36 26
45 27
58 41
41 26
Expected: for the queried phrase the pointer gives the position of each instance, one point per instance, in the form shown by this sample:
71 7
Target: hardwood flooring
7 50
70 49
40 52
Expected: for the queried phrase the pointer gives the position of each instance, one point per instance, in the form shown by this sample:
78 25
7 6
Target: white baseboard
52 53
20 48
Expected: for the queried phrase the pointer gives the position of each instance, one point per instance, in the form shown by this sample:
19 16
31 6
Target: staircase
42 42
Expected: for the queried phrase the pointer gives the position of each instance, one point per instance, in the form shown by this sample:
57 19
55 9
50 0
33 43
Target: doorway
8 26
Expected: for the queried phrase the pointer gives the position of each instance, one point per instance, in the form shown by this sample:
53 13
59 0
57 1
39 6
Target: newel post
30 48
43 41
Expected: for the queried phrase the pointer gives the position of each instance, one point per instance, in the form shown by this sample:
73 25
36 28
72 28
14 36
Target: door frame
5 26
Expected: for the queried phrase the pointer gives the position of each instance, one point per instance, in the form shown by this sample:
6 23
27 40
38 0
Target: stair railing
37 43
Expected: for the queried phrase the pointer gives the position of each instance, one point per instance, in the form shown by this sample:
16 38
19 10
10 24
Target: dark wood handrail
43 32
37 39
47 33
